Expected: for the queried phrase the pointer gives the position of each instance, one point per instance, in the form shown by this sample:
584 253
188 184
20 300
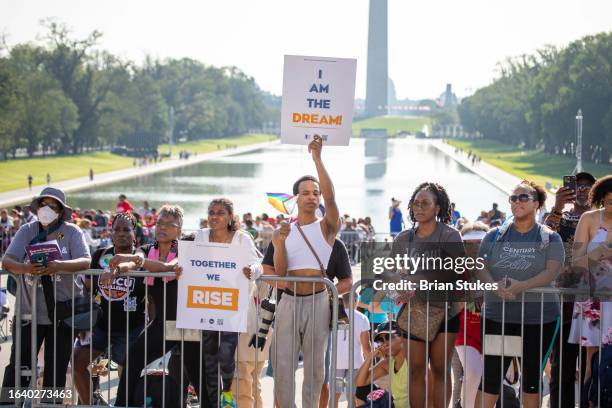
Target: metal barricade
164 341
352 240
16 330
314 351
542 349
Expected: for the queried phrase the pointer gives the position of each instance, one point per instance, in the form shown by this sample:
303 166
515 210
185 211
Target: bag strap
46 282
323 273
43 234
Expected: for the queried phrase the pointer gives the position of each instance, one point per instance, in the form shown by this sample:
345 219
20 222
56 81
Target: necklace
212 238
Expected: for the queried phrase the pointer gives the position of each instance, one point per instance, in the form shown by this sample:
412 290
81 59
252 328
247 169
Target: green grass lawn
14 173
393 124
533 164
210 145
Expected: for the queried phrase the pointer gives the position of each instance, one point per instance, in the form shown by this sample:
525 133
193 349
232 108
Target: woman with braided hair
119 297
431 237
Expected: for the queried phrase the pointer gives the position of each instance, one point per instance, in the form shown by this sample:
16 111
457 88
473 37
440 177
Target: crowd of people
394 363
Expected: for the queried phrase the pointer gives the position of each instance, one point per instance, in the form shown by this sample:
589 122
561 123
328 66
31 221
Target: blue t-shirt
455 217
396 224
521 257
387 305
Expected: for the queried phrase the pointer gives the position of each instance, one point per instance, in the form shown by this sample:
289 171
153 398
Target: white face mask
46 215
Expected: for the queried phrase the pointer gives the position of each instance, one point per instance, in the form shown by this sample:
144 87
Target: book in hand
44 252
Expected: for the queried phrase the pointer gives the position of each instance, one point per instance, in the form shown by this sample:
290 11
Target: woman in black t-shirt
162 256
122 299
431 238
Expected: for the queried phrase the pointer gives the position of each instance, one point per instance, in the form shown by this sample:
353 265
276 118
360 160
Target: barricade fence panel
499 356
134 355
115 341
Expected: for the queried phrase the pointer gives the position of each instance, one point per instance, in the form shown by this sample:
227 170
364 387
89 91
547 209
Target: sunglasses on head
523 198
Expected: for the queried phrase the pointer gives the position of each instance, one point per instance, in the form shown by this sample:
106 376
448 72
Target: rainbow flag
284 203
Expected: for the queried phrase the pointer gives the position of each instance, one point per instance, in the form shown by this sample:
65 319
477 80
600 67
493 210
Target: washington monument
377 80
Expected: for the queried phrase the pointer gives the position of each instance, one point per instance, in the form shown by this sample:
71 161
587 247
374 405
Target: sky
431 42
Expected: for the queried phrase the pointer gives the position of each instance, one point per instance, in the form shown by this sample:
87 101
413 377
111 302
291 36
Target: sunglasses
523 198
421 204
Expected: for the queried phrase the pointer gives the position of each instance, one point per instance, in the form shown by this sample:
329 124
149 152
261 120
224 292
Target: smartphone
40 258
569 182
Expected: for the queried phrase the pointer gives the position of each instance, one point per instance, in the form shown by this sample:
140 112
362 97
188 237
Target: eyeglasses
608 203
159 224
52 206
583 187
523 198
421 204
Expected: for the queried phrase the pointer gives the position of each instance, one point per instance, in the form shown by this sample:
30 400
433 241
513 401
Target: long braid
442 200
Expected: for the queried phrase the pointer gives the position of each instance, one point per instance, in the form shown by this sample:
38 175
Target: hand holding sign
212 292
318 99
315 148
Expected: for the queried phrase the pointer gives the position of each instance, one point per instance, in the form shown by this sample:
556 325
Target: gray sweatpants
301 324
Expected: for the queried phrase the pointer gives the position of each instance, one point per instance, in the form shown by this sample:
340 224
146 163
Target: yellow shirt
399 383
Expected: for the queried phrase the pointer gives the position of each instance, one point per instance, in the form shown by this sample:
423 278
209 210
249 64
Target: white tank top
299 256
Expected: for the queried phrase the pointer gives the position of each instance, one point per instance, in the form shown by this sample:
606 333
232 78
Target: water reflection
364 184
376 146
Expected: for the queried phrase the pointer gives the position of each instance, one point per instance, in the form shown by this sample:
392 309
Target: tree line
534 101
65 96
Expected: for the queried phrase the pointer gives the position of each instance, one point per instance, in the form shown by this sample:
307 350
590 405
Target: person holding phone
53 225
520 255
592 319
571 202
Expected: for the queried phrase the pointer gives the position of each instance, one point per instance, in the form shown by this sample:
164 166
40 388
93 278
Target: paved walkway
14 197
500 179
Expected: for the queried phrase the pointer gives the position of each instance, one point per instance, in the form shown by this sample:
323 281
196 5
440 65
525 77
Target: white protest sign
213 293
318 98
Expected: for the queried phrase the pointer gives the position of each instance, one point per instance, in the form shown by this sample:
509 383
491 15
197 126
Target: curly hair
124 216
172 211
229 207
540 191
441 197
599 190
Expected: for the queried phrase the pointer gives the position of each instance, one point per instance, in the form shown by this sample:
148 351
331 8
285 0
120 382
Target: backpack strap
545 234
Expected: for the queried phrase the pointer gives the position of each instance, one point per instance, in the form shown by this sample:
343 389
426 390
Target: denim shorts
118 343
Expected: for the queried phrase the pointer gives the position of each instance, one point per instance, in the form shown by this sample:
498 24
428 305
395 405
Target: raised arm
332 215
